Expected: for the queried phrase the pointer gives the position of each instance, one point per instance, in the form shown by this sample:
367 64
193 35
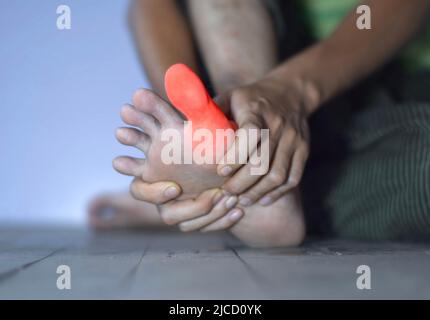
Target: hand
210 211
279 107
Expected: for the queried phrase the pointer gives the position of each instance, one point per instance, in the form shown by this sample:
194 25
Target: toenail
244 201
171 192
265 201
231 202
226 171
122 134
119 131
234 214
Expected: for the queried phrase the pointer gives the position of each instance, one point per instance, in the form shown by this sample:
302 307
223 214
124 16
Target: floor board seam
258 277
127 279
8 274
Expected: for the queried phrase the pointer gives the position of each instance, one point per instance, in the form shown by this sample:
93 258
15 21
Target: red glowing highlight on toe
188 94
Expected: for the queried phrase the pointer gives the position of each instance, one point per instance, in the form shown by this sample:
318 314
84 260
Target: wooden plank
327 270
98 266
20 250
176 266
179 266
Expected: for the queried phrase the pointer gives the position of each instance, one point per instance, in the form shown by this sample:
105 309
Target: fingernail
171 192
235 214
217 197
244 201
231 202
265 201
226 171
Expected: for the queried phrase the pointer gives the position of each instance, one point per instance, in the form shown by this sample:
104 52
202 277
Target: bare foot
280 224
152 115
122 211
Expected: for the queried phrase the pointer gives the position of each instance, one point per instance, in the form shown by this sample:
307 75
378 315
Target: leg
236 38
238 43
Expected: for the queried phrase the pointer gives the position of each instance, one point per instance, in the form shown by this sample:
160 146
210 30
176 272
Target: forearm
162 37
350 54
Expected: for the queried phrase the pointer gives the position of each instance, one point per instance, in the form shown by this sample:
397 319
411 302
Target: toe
129 166
150 103
131 116
133 137
186 91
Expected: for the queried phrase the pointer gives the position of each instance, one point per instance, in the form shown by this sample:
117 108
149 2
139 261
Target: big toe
185 90
188 94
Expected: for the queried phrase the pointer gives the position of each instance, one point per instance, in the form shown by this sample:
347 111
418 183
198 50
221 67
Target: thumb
156 193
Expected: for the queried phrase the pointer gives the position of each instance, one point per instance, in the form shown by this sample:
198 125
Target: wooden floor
154 265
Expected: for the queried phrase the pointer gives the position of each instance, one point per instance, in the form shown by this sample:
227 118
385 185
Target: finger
253 171
298 166
226 222
274 195
157 193
220 209
247 121
277 175
245 143
299 162
179 211
241 106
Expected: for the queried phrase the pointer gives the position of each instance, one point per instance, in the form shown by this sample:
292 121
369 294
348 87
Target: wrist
291 78
326 69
